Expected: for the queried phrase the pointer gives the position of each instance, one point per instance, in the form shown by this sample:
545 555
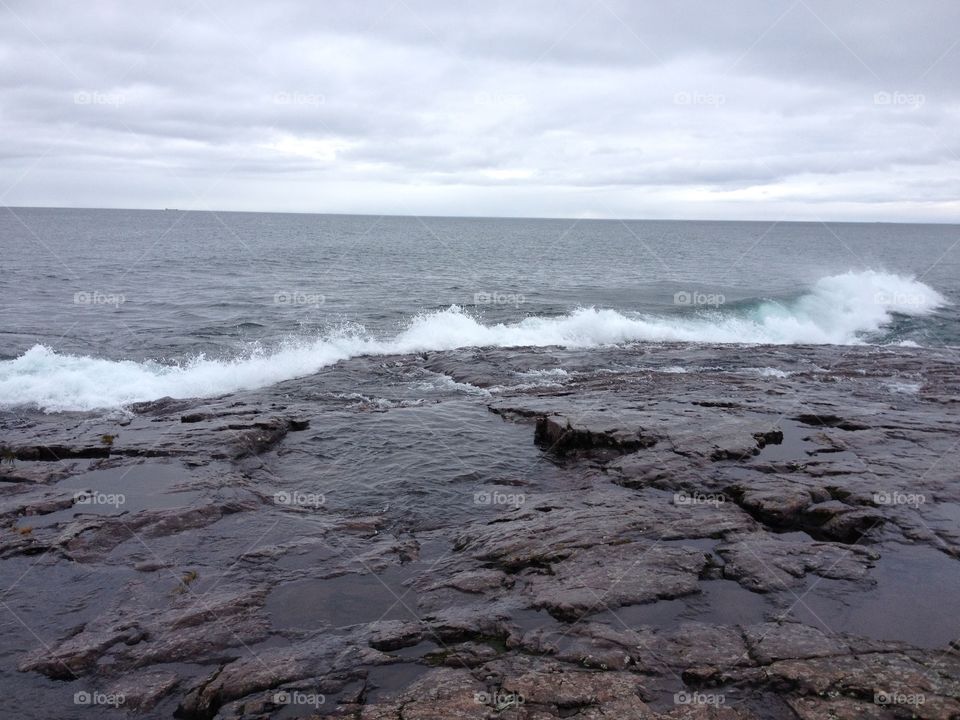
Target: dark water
303 291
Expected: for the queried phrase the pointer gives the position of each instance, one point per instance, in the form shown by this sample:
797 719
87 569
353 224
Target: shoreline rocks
624 543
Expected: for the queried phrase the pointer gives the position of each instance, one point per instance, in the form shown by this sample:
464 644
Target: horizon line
479 217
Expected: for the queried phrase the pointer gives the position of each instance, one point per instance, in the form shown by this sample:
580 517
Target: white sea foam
444 382
907 388
554 377
769 372
839 309
550 373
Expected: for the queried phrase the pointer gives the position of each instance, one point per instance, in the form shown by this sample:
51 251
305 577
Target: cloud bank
588 108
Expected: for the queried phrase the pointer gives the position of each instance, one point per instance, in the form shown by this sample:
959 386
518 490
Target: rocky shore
651 532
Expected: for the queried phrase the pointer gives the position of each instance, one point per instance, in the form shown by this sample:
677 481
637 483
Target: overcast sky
772 109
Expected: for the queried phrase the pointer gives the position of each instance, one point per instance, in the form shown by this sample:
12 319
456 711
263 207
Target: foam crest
840 309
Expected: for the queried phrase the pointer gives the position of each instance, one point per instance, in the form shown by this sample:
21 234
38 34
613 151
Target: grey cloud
582 106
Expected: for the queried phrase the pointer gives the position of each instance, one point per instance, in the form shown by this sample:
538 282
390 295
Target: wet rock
776 504
195 417
892 680
298 424
639 470
535 539
467 654
832 467
192 628
610 576
849 526
442 694
717 436
141 691
161 406
587 645
816 708
152 565
258 438
699 644
769 437
57 453
89 539
770 642
32 504
795 502
559 689
832 421
658 484
35 473
822 512
765 563
565 434
393 634
475 581
472 622
272 668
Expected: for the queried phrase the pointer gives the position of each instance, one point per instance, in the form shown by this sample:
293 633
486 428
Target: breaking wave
840 309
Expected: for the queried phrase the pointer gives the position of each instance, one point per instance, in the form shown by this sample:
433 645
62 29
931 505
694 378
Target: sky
768 109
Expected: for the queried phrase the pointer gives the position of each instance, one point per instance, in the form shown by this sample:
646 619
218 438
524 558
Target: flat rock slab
611 576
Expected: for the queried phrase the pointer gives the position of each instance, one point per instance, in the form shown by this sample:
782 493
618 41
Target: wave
840 309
